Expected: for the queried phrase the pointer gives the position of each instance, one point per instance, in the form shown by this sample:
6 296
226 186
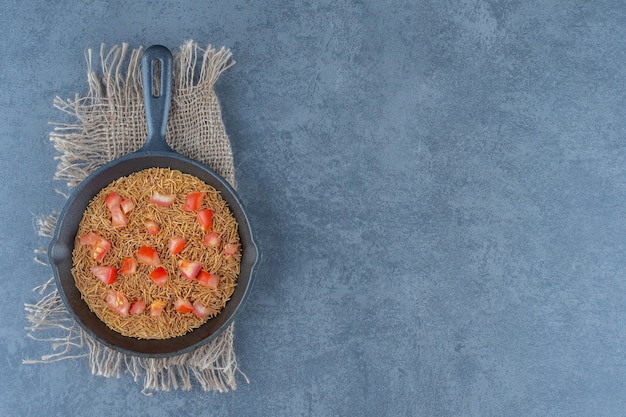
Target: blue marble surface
438 189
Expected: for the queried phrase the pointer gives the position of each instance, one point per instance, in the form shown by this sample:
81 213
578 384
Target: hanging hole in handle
156 78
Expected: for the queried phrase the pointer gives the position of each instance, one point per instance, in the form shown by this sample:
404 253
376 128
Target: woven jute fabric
109 122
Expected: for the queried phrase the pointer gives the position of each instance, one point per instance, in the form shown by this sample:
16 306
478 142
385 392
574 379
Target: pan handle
156 74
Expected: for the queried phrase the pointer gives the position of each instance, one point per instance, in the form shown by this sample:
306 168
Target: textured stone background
438 189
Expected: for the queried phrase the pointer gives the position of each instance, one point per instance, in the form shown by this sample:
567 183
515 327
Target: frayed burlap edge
110 119
110 122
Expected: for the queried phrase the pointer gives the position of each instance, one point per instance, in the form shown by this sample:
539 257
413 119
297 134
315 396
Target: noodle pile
125 242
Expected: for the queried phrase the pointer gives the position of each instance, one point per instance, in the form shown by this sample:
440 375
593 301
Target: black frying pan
154 153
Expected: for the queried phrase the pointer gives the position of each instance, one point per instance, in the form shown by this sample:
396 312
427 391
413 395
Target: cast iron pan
154 153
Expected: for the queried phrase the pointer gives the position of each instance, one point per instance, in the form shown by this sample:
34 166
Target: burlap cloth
105 124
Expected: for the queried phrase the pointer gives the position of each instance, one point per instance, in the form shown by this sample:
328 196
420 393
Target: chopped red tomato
148 256
193 201
201 311
152 227
159 276
205 218
208 279
89 238
212 239
113 201
156 308
117 301
138 307
162 200
230 249
106 274
129 266
183 305
127 205
118 219
176 245
99 245
189 269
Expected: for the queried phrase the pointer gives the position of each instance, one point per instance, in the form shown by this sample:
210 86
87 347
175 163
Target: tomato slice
156 308
89 238
189 269
118 219
152 227
99 246
106 274
113 201
176 245
193 201
129 266
127 205
159 276
138 307
205 218
208 279
162 200
212 239
183 305
148 256
201 311
117 301
230 249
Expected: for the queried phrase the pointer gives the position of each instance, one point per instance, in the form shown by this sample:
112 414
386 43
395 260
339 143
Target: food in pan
157 254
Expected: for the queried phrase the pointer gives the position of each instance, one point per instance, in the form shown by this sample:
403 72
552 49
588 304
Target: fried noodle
125 241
